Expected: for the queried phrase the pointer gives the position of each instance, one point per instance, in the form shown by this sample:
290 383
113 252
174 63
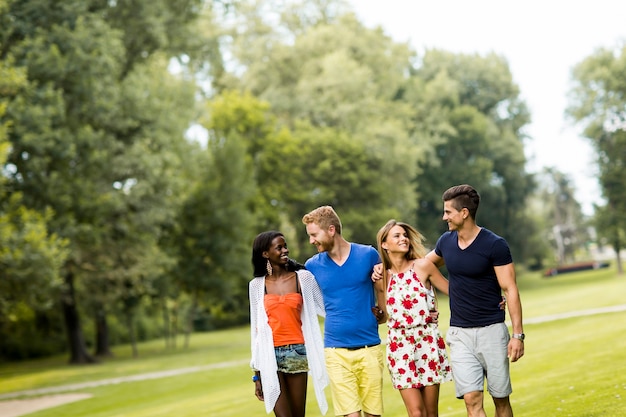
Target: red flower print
393 346
401 275
432 365
412 366
441 343
402 371
407 304
405 356
391 301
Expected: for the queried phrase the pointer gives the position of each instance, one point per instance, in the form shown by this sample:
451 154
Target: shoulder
314 260
423 264
493 238
490 234
363 249
256 285
304 275
446 236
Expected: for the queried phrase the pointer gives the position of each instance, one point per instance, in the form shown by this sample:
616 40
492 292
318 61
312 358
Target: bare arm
380 310
508 283
436 277
435 259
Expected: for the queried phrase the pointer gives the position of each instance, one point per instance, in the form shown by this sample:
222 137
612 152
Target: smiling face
278 254
452 216
322 239
397 240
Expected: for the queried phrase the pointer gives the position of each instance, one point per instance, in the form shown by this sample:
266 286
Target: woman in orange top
285 301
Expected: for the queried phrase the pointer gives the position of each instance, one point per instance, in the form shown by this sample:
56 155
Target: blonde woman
416 351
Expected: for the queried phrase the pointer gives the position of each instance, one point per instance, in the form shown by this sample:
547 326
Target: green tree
30 256
320 69
217 227
469 114
598 103
91 133
566 221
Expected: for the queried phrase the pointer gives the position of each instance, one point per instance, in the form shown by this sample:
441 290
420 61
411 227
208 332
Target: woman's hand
258 390
377 274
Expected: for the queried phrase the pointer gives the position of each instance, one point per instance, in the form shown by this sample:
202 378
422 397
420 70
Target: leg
474 404
430 394
413 401
296 390
371 381
282 408
503 407
292 399
343 383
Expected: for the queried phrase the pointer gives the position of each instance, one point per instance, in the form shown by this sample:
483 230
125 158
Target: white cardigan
262 341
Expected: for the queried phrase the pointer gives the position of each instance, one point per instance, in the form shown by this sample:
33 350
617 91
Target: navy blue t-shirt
475 294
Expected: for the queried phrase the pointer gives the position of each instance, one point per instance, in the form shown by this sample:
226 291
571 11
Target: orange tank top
283 313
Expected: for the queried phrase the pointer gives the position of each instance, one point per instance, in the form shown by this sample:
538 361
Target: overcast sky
542 41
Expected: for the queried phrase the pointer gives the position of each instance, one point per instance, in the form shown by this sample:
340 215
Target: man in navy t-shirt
480 269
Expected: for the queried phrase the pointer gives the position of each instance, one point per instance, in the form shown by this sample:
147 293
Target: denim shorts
291 359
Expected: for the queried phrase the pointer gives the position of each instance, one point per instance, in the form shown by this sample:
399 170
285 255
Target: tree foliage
468 110
93 135
598 102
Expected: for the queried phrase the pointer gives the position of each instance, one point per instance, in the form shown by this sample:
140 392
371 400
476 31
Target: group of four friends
356 288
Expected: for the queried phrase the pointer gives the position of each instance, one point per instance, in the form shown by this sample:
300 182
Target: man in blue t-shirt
480 268
354 358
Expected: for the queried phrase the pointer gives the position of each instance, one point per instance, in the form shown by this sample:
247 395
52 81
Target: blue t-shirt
475 294
348 294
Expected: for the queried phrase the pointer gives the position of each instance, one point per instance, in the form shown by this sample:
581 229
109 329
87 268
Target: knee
417 413
473 400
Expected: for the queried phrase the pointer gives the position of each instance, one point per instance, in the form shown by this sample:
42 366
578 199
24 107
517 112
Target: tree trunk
167 334
131 332
75 338
191 315
103 348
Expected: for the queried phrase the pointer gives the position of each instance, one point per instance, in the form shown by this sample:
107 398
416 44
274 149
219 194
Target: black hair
262 243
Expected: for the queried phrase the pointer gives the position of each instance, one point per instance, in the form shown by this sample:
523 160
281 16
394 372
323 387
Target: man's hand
380 314
434 316
515 349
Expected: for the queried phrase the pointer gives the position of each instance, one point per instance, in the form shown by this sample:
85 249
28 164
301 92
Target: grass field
572 367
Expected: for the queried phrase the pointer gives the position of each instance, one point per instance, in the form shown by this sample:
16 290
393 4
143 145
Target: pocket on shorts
452 335
300 350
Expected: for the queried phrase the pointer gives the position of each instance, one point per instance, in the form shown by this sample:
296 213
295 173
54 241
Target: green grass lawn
572 367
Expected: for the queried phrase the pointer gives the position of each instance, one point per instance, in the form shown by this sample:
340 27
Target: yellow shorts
356 379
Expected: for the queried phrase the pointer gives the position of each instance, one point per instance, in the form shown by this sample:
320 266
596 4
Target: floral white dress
416 350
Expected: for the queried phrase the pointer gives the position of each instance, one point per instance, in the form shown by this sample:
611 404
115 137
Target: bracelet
255 378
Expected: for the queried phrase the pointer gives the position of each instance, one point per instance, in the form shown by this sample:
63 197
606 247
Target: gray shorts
477 353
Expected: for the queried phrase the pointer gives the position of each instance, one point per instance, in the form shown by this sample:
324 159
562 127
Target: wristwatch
520 336
255 378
